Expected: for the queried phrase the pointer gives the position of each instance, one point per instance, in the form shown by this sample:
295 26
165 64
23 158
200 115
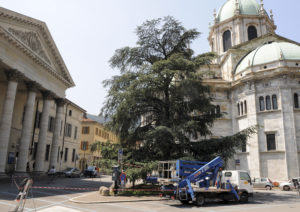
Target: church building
255 81
39 127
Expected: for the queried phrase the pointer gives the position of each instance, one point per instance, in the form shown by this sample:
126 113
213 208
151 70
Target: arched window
245 105
227 40
238 107
274 102
268 103
261 103
242 108
296 100
218 110
252 32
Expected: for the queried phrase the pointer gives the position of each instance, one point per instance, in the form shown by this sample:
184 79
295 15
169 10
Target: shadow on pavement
258 199
63 186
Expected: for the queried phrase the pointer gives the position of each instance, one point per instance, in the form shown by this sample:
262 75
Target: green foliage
109 152
141 190
225 147
159 98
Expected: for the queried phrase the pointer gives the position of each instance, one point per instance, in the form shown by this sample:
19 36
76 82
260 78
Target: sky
87 32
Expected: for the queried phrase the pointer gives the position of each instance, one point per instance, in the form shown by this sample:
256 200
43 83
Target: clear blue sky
87 32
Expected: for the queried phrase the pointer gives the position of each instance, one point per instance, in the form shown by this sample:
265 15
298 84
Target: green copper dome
247 7
270 52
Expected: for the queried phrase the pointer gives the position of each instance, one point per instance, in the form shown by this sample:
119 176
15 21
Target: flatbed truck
210 182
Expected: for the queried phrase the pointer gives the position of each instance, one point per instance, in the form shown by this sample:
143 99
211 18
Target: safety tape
65 188
96 189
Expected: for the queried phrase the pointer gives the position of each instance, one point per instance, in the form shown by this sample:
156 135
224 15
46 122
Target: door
245 182
256 183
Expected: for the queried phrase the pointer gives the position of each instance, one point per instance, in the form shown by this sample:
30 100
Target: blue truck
197 182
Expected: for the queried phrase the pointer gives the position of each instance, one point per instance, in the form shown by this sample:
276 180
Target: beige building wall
93 131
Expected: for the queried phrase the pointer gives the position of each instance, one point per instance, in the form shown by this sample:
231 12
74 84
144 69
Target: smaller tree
109 152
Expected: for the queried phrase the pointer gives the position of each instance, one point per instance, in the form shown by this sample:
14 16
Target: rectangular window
66 154
75 133
85 130
244 147
68 130
84 145
73 155
96 131
271 145
37 119
47 152
51 124
58 154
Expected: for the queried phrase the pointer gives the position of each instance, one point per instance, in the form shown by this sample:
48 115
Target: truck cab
240 180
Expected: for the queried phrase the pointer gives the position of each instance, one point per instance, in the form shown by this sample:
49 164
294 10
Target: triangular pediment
34 39
31 40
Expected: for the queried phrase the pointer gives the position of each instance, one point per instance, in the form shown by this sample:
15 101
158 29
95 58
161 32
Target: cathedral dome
246 7
270 52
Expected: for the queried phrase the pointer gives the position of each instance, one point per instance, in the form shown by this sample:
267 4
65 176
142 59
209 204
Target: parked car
262 182
72 172
91 171
286 186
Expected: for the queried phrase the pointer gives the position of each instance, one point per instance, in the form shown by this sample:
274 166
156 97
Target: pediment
33 38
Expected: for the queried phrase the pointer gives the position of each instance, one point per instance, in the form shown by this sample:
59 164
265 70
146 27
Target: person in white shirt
52 171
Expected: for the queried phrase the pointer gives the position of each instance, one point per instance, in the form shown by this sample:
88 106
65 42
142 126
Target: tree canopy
159 101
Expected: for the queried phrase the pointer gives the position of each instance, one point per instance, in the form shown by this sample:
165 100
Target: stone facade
34 114
262 93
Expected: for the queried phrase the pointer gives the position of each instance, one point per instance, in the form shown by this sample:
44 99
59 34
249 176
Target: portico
33 76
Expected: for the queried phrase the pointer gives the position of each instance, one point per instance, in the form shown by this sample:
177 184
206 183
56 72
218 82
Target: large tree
159 100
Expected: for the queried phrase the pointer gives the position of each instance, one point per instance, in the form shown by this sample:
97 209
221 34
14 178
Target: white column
6 121
289 133
26 130
55 139
41 148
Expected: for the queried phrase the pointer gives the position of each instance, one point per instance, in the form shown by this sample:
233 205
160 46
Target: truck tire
200 200
286 188
244 197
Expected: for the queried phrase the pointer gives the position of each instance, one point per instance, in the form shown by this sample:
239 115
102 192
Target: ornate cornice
60 102
31 54
14 75
48 95
42 28
33 86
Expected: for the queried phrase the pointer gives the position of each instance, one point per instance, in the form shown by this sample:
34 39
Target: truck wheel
184 202
286 188
244 197
200 200
268 187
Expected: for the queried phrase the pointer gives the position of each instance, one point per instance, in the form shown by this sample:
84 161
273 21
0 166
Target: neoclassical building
256 81
36 120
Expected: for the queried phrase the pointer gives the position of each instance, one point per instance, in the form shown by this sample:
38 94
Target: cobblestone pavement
61 200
